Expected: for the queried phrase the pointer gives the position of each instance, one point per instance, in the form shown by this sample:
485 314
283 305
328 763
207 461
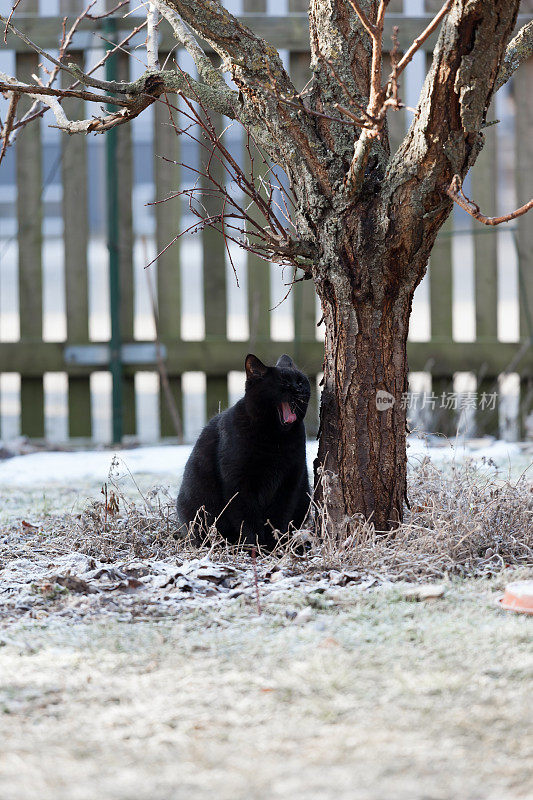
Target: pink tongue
288 415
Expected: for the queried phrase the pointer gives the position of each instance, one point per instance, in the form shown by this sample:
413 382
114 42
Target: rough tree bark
374 253
364 223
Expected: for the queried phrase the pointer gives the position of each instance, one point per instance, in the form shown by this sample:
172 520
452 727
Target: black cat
248 468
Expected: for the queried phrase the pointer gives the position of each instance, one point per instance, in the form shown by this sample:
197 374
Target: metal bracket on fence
99 355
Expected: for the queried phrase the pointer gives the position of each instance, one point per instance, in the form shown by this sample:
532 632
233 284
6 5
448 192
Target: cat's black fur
250 460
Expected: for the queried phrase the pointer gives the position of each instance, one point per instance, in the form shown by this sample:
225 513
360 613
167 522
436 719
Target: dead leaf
136 569
215 574
73 583
347 577
126 585
111 573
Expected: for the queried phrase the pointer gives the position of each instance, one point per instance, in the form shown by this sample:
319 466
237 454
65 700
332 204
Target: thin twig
9 122
376 92
419 41
300 106
369 27
9 19
106 13
455 191
392 90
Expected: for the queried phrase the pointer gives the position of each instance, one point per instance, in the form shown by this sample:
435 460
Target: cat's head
279 395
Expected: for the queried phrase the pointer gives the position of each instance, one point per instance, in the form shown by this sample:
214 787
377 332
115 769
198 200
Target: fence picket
125 247
484 191
29 213
304 291
75 240
523 88
214 270
167 217
440 301
258 272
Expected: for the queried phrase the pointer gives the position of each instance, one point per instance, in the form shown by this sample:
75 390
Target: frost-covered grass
467 516
373 696
133 664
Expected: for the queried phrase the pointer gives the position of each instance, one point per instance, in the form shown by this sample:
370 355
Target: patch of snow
502 453
67 467
54 468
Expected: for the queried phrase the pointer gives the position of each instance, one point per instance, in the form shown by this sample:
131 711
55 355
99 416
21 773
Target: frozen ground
368 695
127 675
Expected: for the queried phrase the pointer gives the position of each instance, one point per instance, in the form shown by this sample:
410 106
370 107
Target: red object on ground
518 597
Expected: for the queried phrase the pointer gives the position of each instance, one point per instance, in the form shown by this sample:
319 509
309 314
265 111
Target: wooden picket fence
215 355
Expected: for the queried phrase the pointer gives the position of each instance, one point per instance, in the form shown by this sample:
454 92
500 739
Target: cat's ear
254 367
285 362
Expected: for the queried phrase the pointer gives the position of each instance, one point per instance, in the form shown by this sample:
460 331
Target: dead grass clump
463 520
146 527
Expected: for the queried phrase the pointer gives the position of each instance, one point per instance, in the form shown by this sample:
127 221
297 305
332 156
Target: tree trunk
363 410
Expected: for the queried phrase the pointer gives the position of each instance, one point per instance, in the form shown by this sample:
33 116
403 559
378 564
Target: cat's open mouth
286 414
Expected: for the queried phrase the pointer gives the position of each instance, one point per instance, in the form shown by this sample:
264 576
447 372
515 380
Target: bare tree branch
376 102
244 54
34 114
77 126
150 84
455 191
66 40
77 73
151 37
289 136
519 49
9 84
365 22
205 68
256 68
445 139
267 236
382 97
8 126
13 9
419 41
